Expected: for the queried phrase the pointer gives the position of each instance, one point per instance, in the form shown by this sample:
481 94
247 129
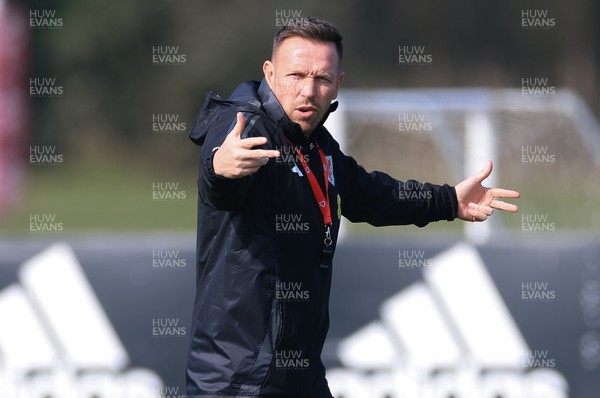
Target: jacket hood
244 98
250 96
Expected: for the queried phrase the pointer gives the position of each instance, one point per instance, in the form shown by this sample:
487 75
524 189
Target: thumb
483 174
237 130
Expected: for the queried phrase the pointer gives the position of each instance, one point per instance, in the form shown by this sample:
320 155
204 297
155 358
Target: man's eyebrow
316 73
324 74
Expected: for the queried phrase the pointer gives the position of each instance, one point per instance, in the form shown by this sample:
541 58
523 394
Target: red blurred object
14 101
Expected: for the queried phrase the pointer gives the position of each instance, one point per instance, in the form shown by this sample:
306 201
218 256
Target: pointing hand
235 158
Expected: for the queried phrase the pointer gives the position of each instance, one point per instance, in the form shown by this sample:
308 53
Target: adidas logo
56 341
450 335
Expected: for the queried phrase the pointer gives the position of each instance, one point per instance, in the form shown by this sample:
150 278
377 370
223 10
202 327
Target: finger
254 154
483 174
252 159
481 209
252 169
249 143
247 167
500 205
266 153
237 130
504 193
477 215
256 162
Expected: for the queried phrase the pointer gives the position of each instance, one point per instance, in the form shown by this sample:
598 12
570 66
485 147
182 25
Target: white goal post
478 107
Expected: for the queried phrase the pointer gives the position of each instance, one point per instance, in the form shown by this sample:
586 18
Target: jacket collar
292 130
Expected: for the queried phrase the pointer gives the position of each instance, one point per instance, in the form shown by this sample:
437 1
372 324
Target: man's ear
340 80
269 71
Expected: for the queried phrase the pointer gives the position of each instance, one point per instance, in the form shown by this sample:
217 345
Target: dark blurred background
103 57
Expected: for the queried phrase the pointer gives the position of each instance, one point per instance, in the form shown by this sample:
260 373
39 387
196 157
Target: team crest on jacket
329 164
296 170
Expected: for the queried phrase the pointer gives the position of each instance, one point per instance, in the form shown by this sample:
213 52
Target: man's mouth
306 111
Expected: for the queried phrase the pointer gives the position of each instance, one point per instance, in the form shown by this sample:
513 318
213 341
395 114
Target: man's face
305 77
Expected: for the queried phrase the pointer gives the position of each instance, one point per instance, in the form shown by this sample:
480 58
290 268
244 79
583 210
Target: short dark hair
313 29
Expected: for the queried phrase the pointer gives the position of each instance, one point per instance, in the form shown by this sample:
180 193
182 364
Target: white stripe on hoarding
475 309
414 317
72 310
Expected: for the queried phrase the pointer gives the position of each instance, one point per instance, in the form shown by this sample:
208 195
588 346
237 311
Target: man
272 187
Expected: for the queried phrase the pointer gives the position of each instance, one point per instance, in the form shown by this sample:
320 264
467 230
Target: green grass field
103 197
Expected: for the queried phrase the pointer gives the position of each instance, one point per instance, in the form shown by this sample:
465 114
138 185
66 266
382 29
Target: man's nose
308 88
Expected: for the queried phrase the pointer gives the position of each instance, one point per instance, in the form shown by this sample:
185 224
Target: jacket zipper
281 323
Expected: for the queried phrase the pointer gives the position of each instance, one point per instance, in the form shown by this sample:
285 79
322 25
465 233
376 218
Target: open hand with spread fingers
476 202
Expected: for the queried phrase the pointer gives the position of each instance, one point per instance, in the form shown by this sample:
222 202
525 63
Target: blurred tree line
103 58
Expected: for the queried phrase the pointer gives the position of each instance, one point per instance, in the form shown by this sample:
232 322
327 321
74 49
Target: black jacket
261 310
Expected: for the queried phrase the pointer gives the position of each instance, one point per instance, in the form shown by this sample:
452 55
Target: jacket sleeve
378 199
216 191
